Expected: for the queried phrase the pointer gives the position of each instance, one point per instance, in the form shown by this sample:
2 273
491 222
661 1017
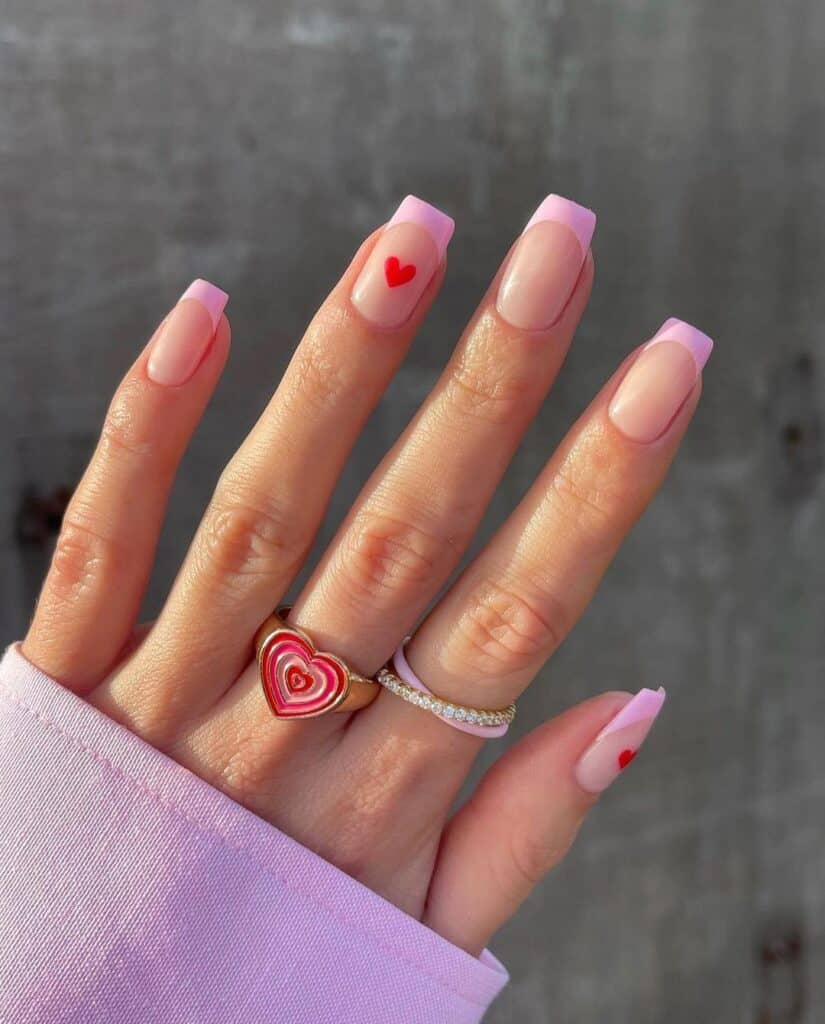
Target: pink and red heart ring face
302 682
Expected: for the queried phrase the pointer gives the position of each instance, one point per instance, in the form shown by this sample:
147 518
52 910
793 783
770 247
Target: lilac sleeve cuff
131 890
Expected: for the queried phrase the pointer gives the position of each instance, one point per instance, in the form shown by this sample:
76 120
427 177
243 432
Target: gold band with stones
447 709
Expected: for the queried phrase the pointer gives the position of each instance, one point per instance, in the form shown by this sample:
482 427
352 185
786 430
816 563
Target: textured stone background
255 143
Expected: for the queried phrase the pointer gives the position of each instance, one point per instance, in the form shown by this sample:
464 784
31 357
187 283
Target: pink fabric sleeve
132 891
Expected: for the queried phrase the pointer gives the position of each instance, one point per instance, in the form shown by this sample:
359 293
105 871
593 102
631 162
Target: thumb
526 811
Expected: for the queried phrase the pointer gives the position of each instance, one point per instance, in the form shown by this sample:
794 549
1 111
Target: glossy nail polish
657 384
545 264
402 263
186 334
619 741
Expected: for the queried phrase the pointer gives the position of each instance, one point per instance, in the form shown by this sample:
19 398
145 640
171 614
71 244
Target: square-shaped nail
184 337
402 263
619 741
657 384
545 265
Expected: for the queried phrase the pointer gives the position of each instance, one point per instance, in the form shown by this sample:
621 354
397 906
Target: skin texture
371 792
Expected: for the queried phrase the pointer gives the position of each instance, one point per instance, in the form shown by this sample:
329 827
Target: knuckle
249 536
241 779
530 857
82 559
353 849
318 379
330 321
239 758
152 716
481 390
385 555
127 433
503 630
588 495
365 818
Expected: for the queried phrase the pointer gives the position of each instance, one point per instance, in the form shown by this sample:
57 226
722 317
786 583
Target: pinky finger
525 813
103 558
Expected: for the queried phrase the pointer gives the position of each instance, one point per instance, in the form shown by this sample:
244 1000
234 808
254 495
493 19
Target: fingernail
618 743
546 263
657 384
401 265
186 334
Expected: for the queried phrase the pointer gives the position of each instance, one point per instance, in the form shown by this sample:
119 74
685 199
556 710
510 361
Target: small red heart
297 680
395 273
625 758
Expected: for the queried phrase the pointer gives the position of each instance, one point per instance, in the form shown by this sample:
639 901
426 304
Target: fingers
416 515
272 496
517 601
526 812
104 554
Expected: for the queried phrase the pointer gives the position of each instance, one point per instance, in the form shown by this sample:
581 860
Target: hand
372 791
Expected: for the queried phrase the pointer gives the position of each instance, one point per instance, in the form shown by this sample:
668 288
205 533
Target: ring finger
510 609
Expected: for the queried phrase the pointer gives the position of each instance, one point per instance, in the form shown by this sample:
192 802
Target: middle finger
416 515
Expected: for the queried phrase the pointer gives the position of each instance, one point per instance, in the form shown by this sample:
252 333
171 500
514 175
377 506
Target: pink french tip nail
619 741
546 264
413 210
208 295
580 220
659 381
698 344
406 256
184 337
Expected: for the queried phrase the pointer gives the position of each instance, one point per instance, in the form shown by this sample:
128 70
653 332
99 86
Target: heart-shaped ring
302 682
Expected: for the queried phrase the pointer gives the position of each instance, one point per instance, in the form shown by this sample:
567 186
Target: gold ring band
398 677
490 718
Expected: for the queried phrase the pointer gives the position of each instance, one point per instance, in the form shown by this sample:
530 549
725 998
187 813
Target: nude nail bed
185 335
659 381
546 263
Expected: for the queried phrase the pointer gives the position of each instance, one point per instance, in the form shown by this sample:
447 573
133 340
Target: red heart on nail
625 758
299 681
395 273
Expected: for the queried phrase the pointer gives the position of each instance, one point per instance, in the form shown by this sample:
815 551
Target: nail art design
396 274
546 263
657 384
184 337
618 743
402 264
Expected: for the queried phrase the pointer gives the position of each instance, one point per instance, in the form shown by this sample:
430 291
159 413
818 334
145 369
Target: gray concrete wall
255 143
